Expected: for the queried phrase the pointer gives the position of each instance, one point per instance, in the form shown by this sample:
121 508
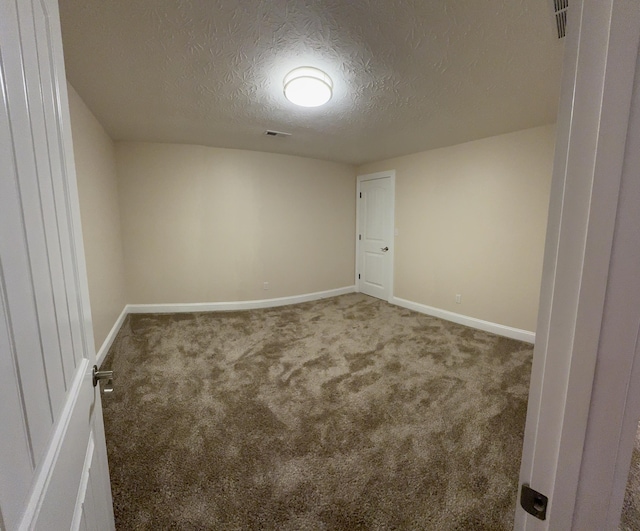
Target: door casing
580 418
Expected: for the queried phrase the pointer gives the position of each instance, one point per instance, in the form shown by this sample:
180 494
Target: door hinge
360 195
358 276
533 502
359 236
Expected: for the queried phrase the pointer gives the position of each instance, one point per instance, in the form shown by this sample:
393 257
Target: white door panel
50 413
18 464
376 196
55 506
374 270
375 234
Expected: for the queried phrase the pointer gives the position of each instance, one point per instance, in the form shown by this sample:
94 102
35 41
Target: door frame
391 175
578 436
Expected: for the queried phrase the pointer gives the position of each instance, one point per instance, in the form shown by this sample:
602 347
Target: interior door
53 468
375 234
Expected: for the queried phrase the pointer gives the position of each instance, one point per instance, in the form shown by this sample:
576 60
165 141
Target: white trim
615 401
569 414
388 174
487 326
111 336
211 307
236 305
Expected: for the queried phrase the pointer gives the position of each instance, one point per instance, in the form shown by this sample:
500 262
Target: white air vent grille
269 132
560 7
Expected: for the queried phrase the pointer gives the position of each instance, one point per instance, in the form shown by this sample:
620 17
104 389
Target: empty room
320 265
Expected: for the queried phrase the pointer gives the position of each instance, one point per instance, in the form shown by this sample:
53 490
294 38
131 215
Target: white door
53 467
583 402
374 274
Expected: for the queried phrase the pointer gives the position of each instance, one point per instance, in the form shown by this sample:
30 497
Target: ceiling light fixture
308 87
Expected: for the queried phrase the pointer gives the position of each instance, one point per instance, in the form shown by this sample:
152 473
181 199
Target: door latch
103 375
533 502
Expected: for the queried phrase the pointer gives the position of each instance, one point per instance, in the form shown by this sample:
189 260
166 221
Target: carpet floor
630 519
341 414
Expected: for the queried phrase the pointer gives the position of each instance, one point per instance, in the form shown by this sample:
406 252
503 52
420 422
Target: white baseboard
211 307
507 331
111 336
237 305
487 326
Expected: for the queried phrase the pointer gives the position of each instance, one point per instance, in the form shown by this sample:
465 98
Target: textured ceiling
408 75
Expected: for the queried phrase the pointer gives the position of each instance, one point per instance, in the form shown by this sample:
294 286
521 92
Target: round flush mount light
308 87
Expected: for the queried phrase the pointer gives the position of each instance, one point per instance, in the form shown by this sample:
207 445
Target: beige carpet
630 519
342 414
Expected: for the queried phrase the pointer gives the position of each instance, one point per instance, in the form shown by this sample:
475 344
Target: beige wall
471 219
208 224
97 187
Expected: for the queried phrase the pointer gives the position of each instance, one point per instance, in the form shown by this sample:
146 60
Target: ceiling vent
560 7
269 132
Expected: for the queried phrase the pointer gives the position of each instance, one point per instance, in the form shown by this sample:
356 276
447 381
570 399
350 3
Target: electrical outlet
265 285
458 298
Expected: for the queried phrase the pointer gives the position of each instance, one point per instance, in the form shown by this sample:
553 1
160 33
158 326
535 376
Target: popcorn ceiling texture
409 75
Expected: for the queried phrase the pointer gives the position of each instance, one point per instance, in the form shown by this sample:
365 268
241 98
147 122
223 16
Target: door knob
385 249
103 375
